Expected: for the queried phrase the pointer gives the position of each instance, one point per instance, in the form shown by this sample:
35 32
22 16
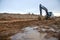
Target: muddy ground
10 28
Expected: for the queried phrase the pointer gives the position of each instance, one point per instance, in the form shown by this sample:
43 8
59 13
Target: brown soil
11 27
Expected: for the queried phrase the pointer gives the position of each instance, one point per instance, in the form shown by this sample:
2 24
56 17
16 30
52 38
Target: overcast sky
28 5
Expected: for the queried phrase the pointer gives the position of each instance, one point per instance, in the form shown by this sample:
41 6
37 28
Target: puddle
31 33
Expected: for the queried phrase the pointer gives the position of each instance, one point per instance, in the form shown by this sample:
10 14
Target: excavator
48 14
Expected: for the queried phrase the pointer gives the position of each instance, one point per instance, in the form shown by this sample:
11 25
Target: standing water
30 33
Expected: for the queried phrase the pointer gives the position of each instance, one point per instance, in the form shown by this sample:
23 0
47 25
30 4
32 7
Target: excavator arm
48 14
